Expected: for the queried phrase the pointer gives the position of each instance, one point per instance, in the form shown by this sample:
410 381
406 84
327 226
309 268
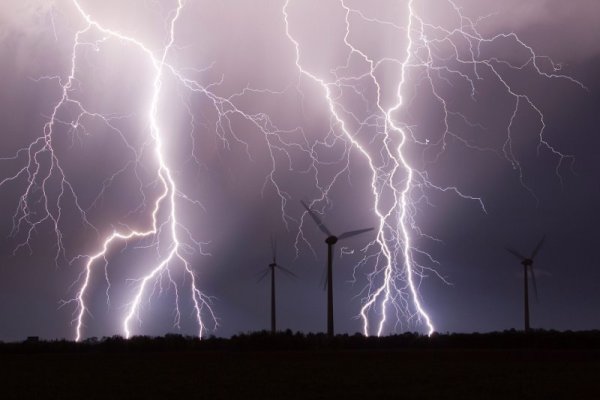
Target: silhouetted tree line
288 340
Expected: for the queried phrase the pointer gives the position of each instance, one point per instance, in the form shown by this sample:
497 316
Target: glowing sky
231 200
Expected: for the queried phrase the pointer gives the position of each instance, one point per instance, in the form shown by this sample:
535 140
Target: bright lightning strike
164 231
429 58
397 186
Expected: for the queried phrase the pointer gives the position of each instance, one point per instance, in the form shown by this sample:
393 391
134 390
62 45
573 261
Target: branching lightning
38 175
432 57
397 186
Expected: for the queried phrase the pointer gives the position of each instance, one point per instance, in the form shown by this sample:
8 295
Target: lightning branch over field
38 174
397 187
430 58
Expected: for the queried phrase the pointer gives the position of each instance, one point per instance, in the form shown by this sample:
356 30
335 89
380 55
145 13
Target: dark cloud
248 47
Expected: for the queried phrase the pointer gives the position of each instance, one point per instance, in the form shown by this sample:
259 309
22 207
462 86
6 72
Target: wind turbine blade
272 246
287 271
261 271
263 275
534 283
317 220
538 247
346 235
515 253
324 279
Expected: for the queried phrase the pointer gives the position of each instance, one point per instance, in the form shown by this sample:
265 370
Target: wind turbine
331 240
271 269
527 263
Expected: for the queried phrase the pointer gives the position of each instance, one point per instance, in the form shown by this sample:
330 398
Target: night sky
240 177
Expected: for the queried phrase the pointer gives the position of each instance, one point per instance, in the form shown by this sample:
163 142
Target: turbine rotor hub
331 240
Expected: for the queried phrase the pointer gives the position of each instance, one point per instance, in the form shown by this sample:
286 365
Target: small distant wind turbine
331 241
271 269
527 263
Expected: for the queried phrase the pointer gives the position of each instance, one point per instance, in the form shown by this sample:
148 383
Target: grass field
341 373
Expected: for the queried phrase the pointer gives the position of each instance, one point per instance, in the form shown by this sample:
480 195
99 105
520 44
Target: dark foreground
542 365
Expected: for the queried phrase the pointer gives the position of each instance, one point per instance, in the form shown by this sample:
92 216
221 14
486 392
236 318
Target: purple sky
239 51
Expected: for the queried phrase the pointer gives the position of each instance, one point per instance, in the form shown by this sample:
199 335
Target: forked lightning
391 299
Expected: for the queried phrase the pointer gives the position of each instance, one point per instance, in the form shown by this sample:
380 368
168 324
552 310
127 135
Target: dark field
500 366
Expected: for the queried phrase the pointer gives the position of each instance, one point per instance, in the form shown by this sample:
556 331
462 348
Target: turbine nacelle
331 240
271 267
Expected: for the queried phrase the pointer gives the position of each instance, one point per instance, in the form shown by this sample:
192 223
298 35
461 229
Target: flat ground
342 373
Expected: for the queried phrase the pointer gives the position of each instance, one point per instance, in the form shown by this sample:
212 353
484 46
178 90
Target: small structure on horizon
271 269
527 263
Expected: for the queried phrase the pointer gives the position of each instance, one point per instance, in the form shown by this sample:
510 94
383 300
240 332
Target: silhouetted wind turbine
271 268
527 263
331 241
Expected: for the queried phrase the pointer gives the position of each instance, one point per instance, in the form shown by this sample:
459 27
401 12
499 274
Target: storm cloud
240 47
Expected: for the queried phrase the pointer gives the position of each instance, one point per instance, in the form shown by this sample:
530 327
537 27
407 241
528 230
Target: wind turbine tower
527 263
331 240
271 269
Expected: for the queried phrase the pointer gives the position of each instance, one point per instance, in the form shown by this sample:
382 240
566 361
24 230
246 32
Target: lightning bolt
397 186
432 58
167 199
163 230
